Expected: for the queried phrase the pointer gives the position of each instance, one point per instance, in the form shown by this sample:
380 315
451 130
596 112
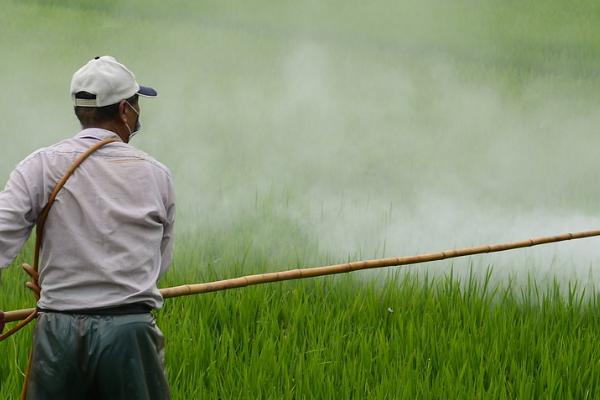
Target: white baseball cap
107 79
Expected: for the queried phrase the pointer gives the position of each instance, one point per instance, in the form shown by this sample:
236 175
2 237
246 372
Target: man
107 240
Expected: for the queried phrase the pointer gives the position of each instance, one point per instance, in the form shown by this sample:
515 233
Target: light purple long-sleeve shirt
109 235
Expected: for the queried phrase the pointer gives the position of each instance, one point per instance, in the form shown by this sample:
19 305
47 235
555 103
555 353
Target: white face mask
138 124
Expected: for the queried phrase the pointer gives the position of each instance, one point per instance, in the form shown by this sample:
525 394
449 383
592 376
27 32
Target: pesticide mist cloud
420 161
444 163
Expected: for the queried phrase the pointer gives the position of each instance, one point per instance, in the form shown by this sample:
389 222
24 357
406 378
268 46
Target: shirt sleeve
166 245
17 216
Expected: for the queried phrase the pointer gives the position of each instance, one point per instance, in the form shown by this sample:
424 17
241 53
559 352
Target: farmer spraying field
104 213
360 134
102 245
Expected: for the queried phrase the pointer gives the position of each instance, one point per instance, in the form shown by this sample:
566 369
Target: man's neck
111 126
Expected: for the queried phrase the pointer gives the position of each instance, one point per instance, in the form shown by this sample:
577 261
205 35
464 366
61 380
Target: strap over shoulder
32 271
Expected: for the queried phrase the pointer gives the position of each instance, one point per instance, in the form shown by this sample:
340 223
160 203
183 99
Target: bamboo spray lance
184 290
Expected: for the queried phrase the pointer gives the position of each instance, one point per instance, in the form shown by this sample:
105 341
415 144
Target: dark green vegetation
411 338
343 338
305 133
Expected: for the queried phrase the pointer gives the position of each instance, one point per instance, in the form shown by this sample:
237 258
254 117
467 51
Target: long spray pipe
216 286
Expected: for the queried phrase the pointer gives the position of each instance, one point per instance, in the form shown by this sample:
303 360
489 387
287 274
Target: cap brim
147 91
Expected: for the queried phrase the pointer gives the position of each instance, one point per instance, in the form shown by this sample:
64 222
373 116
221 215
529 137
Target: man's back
107 238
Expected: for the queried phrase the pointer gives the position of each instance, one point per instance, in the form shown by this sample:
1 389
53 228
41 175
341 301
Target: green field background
306 133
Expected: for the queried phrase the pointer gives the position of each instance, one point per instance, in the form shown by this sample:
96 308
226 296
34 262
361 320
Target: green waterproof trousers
78 356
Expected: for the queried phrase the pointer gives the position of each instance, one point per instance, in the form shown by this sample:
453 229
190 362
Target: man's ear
122 110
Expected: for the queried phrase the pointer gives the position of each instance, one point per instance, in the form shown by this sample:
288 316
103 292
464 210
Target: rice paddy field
308 133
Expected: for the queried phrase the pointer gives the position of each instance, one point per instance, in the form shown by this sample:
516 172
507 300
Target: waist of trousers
125 309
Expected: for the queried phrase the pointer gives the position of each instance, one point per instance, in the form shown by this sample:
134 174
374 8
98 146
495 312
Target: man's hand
33 285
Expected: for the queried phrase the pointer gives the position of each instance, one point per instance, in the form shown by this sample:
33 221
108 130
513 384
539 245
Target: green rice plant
348 337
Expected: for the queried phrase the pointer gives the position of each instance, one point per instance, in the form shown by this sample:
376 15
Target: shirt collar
97 133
